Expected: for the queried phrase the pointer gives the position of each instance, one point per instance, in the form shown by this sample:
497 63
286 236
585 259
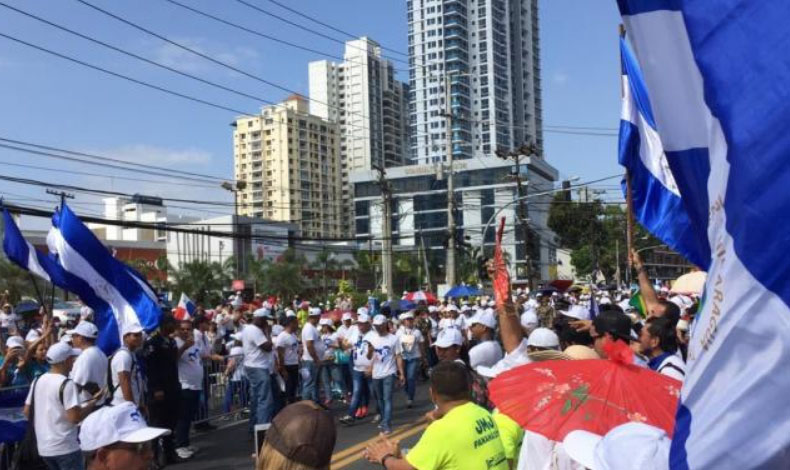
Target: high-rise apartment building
362 95
290 160
489 52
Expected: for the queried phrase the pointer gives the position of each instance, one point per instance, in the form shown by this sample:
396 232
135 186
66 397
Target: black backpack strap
110 387
672 366
60 392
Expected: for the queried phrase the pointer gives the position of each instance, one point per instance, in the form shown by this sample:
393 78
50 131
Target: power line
304 28
326 25
125 77
116 160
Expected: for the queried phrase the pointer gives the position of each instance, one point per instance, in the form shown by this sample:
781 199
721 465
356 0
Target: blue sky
50 101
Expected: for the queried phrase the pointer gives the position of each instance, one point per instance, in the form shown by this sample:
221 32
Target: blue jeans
188 407
326 380
261 399
309 373
412 367
233 388
72 461
361 391
383 389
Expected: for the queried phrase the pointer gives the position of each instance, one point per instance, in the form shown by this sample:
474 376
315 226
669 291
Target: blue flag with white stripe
12 418
718 72
120 298
657 204
26 256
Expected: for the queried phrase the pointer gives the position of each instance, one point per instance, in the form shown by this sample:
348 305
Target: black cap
614 323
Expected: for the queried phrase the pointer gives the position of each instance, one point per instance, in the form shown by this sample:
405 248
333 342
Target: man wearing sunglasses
118 438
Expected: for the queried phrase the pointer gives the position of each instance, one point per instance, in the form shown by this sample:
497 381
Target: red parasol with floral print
553 398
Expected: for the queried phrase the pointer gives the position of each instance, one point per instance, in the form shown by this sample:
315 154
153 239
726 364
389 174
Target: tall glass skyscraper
489 52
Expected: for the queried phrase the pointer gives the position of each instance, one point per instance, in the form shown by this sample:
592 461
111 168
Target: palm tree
325 262
366 263
283 277
202 281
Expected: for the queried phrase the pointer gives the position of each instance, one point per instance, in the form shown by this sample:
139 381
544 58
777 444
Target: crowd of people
274 354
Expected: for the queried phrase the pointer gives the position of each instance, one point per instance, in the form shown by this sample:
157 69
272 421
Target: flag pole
629 201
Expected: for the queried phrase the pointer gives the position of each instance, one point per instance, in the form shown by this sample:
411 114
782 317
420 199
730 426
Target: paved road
230 447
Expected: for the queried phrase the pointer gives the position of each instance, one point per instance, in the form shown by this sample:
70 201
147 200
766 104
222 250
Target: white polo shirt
90 367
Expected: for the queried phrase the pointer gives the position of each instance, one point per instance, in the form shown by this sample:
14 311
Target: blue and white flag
657 204
120 298
12 418
23 253
718 72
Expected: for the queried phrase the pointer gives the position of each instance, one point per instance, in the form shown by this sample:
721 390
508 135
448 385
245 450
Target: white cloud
560 78
176 57
160 156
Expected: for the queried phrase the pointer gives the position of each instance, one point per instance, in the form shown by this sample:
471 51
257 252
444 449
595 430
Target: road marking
419 426
360 446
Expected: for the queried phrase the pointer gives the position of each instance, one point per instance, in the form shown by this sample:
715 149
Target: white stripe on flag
32 263
73 262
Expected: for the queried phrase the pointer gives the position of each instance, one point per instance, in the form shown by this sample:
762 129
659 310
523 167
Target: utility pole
386 243
448 119
425 261
523 215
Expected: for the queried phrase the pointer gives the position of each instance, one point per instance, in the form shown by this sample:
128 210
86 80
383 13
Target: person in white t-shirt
190 376
312 355
202 325
487 351
329 374
234 373
8 321
386 354
358 343
259 366
54 403
414 353
90 368
126 378
287 344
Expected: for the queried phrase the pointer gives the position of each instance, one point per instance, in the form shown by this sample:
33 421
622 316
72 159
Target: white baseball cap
631 446
85 329
119 423
314 312
85 312
485 318
262 313
449 337
452 308
543 338
578 312
683 325
529 319
131 327
347 316
406 316
362 311
379 320
363 318
15 342
289 313
32 335
59 352
326 322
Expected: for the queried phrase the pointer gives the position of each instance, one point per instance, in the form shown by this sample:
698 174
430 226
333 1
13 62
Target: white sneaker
376 419
184 453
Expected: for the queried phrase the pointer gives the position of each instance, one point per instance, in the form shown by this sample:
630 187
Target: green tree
283 277
202 281
365 271
18 282
325 263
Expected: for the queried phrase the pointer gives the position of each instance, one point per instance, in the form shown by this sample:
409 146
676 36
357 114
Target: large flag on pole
718 73
656 198
121 297
23 253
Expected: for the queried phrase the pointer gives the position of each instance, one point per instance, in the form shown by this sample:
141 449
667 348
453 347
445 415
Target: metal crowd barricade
222 398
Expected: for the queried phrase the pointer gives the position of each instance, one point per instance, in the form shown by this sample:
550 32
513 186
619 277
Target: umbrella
553 398
691 283
401 305
27 307
419 295
462 291
561 284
